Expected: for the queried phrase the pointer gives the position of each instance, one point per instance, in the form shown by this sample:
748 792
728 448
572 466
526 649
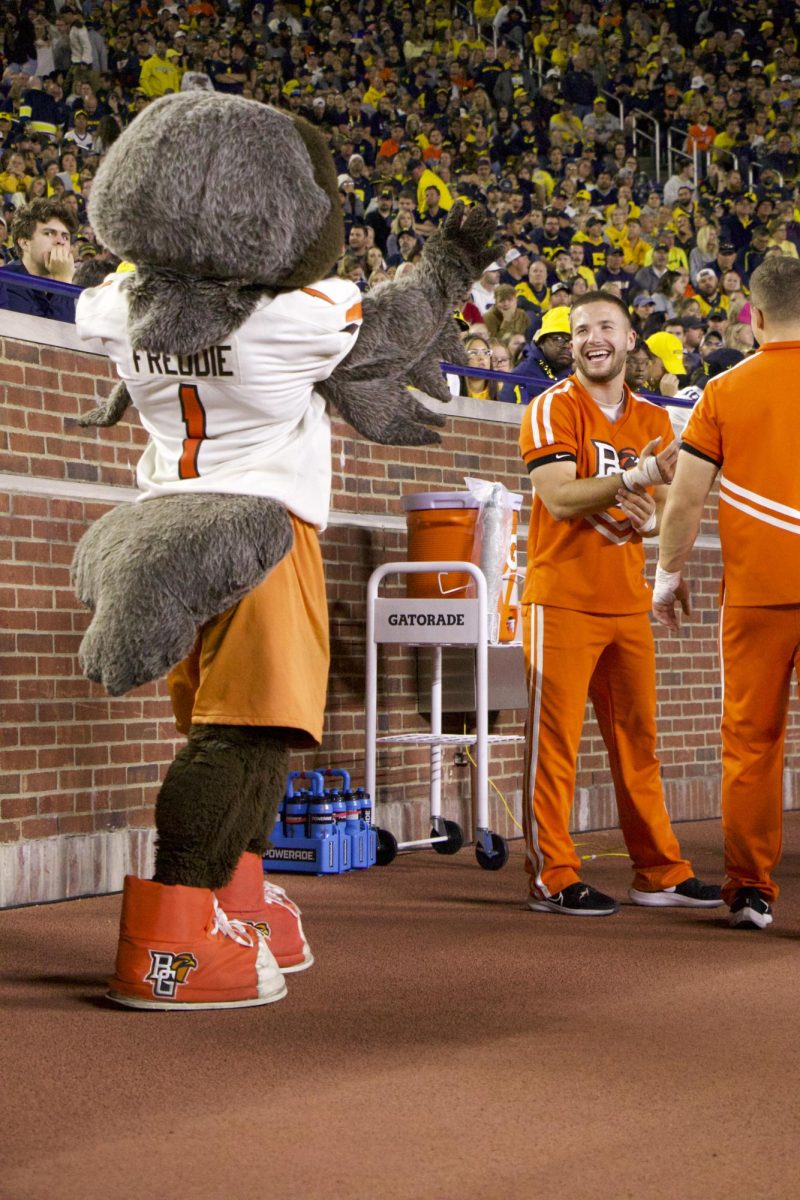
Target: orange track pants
760 650
569 655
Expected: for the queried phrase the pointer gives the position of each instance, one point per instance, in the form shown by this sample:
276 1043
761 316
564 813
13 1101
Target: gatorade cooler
441 528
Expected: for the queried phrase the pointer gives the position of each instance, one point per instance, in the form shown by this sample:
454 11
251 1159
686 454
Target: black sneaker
577 900
750 910
692 893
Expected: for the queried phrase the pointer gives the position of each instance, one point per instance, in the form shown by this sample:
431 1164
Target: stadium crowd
537 109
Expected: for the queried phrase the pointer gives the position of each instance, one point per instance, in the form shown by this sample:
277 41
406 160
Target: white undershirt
612 411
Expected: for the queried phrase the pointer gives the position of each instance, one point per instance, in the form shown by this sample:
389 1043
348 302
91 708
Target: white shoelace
238 930
276 895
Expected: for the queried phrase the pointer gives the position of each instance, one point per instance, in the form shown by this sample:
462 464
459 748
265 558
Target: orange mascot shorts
265 660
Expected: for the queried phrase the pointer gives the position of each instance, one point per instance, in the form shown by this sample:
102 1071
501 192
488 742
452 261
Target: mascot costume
231 338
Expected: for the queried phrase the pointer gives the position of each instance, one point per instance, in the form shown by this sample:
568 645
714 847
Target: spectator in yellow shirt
376 90
779 236
724 144
485 11
544 180
625 200
578 259
541 41
423 178
594 246
159 74
14 177
615 231
676 257
567 123
635 250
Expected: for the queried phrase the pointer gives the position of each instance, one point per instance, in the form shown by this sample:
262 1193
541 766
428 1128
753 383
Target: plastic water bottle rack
322 831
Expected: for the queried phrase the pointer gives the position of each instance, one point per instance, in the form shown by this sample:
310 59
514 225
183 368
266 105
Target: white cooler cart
435 623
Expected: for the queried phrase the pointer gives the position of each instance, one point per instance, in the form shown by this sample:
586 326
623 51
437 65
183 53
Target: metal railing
758 167
638 115
534 387
528 387
720 155
18 293
612 99
37 283
678 138
697 157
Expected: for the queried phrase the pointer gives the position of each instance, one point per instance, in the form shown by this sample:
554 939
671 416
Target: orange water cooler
442 528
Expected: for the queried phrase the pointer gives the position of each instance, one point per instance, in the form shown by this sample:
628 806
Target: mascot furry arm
213 236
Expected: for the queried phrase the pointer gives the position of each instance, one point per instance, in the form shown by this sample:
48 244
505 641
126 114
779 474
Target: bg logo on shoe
262 928
169 971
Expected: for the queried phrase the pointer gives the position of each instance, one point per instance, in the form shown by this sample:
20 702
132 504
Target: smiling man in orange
590 446
745 425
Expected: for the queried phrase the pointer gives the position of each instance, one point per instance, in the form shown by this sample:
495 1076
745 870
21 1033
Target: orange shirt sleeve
702 435
549 430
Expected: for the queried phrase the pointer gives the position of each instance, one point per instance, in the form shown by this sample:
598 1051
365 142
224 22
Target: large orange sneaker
179 950
251 898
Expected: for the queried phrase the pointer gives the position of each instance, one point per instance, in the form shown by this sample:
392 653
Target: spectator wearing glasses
639 366
479 355
501 358
549 359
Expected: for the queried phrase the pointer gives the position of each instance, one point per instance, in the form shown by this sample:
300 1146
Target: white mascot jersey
241 417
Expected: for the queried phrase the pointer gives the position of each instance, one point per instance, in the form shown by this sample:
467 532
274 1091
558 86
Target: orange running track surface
447 1044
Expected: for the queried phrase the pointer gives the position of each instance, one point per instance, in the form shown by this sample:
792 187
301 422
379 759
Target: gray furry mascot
231 338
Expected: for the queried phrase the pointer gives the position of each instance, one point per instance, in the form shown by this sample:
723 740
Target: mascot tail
133 564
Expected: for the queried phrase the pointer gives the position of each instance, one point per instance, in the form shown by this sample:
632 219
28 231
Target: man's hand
468 232
61 264
652 468
667 460
668 590
640 509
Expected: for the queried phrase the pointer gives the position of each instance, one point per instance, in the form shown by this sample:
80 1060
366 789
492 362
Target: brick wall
80 770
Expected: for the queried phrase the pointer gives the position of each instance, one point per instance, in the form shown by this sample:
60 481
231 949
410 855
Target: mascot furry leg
219 800
208 886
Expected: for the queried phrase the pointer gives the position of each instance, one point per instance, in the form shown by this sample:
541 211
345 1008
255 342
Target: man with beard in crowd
549 358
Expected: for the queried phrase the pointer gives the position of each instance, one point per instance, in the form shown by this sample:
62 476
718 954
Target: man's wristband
645 474
666 585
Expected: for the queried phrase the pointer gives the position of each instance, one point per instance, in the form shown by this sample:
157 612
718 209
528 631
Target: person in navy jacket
548 360
42 233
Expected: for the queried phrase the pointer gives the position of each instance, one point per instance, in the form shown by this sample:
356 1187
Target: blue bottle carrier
323 831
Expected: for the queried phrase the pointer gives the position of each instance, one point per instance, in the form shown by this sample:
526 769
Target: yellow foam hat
555 320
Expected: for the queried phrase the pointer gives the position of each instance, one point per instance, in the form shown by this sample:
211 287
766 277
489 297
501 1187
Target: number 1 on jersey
194 418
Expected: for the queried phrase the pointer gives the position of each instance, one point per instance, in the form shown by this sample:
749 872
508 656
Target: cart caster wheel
496 860
387 847
455 838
